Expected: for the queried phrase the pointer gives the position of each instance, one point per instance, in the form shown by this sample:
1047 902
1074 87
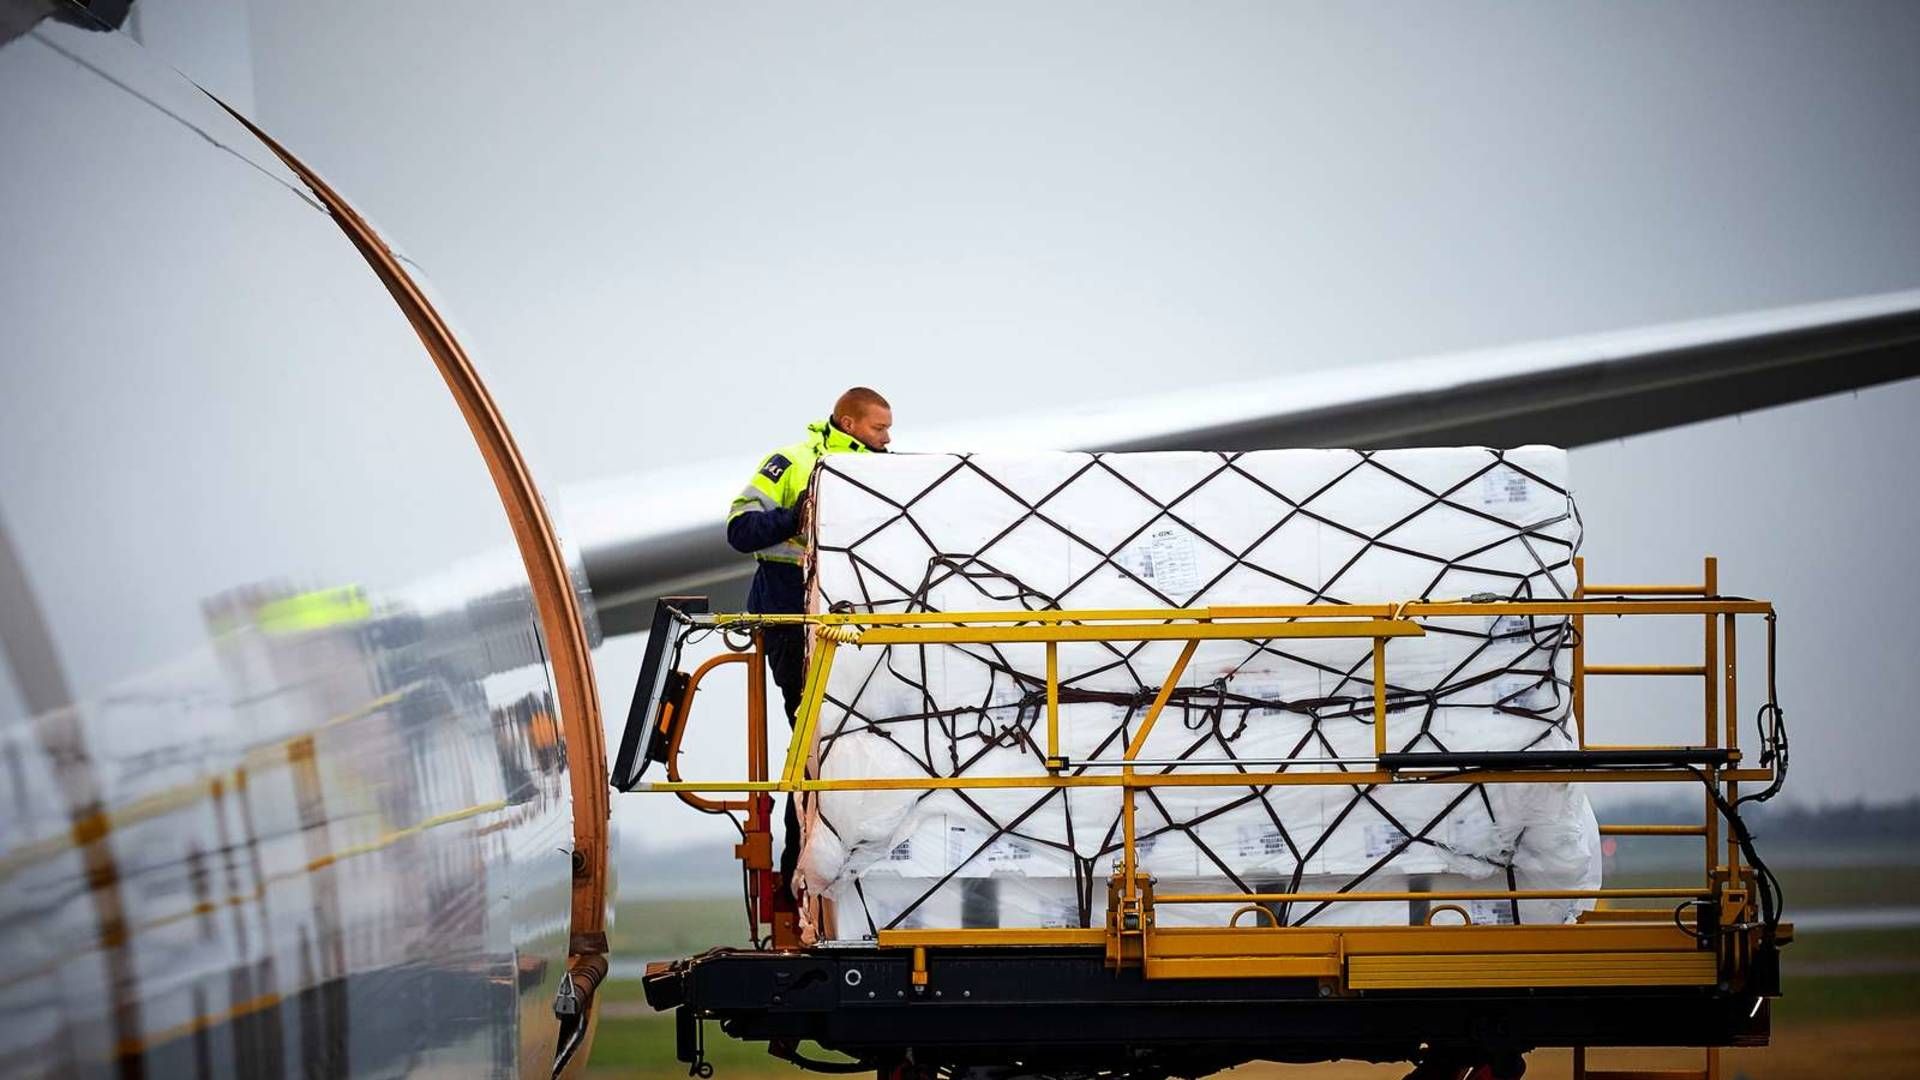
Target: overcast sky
671 232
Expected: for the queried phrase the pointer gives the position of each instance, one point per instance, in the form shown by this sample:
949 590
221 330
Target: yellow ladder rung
1644 746
1653 830
1592 589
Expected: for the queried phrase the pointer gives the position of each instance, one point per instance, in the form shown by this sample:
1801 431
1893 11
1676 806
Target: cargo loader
1144 989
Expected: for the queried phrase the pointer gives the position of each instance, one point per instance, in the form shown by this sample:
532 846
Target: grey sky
672 231
644 213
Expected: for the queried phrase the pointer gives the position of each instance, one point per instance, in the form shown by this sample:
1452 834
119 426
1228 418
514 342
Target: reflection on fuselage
285 789
306 818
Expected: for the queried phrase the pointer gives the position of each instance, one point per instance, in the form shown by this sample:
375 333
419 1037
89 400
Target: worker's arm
750 530
765 512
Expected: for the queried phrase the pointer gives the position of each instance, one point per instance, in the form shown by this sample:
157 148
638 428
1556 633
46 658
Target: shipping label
1384 839
1256 841
1166 558
1504 485
1490 912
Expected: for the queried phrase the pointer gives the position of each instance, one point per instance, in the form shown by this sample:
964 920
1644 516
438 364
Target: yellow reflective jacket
763 519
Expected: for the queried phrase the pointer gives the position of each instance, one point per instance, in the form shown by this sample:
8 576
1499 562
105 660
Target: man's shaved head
854 401
865 415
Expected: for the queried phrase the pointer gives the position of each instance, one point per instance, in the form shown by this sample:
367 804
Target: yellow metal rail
1609 946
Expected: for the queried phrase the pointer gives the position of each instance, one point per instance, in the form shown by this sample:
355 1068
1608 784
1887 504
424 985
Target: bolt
899 993
937 993
869 995
966 993
1325 990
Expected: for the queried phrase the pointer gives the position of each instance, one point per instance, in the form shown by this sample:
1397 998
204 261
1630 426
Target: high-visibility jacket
765 520
316 609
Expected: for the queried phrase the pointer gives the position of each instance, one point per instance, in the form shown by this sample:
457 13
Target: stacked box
894 533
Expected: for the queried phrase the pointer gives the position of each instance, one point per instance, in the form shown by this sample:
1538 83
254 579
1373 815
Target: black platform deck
1041 1007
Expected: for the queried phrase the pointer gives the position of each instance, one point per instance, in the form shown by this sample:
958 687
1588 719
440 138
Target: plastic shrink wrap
1159 530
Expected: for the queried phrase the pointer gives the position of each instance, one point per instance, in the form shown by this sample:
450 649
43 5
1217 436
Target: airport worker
768 521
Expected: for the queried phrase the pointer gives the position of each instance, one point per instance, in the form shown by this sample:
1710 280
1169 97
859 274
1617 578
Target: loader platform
1138 993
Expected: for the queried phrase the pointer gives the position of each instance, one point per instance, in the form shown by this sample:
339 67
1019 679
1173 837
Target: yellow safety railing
1131 895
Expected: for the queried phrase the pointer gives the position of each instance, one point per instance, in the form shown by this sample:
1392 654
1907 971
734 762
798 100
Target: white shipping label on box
1260 841
1504 486
1166 557
1490 912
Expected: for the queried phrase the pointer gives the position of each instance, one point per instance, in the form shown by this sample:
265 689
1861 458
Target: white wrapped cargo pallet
982 532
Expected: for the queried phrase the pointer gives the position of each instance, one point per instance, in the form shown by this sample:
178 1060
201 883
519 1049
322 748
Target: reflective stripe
751 498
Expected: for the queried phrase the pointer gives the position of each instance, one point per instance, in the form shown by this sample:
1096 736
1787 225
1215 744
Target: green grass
675 928
1834 994
644 1046
621 991
1807 887
1847 997
1837 947
1850 886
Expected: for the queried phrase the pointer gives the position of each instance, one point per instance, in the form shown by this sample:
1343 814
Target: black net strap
946 738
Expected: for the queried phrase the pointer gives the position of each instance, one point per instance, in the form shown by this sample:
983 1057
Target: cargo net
1103 531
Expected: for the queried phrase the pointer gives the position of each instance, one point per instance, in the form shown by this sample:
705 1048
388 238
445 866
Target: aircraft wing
647 536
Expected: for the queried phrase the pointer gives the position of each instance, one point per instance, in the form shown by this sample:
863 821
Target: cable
1681 924
1772 897
1772 722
